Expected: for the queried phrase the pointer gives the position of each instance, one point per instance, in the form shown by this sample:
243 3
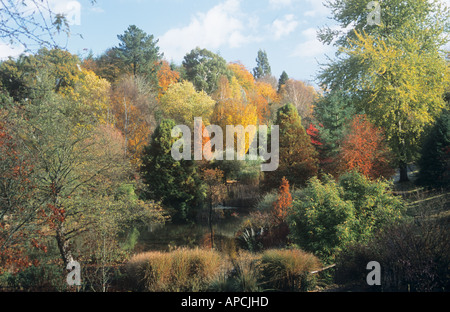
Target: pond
164 237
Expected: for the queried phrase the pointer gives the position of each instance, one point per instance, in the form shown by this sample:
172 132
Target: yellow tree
91 96
244 77
395 71
263 98
232 109
183 103
402 89
258 93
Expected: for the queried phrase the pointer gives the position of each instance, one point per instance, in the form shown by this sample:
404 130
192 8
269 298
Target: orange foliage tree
133 106
283 203
364 149
166 77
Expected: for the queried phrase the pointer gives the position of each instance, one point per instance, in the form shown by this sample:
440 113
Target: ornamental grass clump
181 270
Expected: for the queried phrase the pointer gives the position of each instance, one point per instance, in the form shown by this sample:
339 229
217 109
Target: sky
235 29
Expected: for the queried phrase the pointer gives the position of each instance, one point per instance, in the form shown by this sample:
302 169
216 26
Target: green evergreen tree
262 68
332 114
175 183
435 157
139 52
298 157
282 81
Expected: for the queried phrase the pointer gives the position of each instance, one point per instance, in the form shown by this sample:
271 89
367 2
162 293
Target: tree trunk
63 245
403 173
210 224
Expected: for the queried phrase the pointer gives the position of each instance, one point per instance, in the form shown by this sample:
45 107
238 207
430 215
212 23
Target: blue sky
236 29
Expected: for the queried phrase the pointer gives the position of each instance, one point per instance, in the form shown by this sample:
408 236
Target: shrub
261 231
265 204
321 220
413 257
374 206
45 277
328 215
268 229
288 270
178 271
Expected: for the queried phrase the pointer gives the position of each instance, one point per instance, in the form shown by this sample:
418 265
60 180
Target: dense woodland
86 167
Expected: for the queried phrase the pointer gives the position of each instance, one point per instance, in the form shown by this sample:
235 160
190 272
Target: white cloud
42 9
285 26
223 25
97 9
7 50
71 9
311 47
318 9
280 3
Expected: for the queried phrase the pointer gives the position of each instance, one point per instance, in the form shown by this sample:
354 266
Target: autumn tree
283 203
182 103
313 133
364 149
90 97
394 71
298 157
232 109
18 211
257 93
243 76
264 97
301 95
166 77
134 106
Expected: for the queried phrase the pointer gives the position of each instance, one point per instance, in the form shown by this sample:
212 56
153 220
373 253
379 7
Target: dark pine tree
262 68
332 115
435 156
298 157
282 81
175 183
